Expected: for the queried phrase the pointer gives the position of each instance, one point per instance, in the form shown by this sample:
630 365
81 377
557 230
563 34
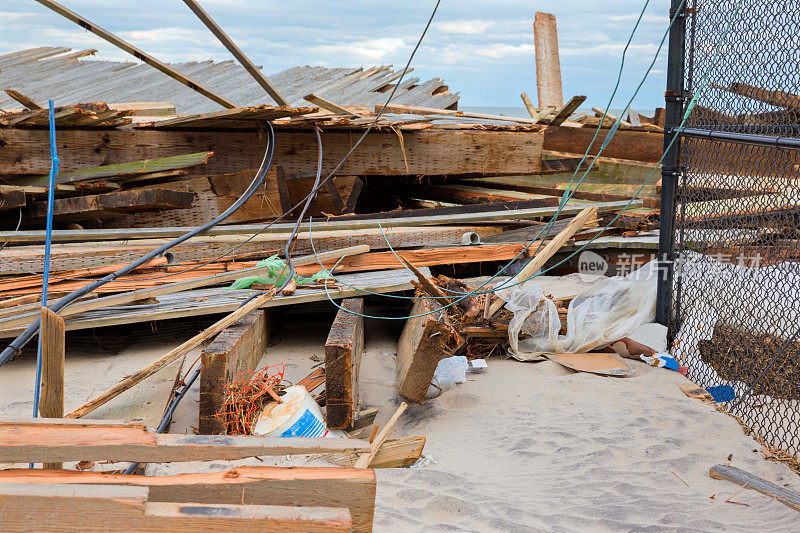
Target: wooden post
237 349
548 66
419 350
342 361
53 349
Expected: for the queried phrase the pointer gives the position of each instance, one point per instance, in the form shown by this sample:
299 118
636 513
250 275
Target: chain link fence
735 308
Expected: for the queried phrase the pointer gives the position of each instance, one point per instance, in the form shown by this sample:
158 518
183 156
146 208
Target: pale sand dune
520 447
532 446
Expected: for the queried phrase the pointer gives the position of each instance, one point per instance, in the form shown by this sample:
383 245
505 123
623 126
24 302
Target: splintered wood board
603 364
221 300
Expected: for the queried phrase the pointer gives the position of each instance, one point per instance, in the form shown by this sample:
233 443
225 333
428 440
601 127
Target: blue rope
48 237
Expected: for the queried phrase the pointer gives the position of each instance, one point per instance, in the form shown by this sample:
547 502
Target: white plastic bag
611 309
449 372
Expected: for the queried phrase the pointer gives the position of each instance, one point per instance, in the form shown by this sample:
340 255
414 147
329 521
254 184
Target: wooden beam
420 348
427 152
432 256
746 479
106 205
54 508
136 52
248 65
328 105
629 144
776 98
548 66
171 356
348 488
29 103
11 197
335 224
343 350
119 171
234 352
61 440
52 386
565 112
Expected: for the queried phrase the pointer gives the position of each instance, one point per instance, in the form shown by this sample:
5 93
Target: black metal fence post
670 171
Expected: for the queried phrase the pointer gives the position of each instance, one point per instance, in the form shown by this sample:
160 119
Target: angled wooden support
532 111
349 488
24 100
343 351
586 216
236 51
565 112
172 355
55 508
136 52
236 350
328 105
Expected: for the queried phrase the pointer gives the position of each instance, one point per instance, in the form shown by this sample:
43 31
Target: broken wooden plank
54 508
109 204
24 100
586 216
121 170
565 112
339 223
136 52
434 152
548 66
746 479
248 65
234 352
343 350
11 197
328 105
60 440
212 301
418 110
776 98
420 348
348 488
532 111
393 454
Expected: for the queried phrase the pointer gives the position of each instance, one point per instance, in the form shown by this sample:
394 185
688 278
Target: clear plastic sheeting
612 308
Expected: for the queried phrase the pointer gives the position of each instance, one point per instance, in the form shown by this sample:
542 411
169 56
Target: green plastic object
277 272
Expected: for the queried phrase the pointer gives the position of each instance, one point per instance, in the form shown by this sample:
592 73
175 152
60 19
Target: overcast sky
482 48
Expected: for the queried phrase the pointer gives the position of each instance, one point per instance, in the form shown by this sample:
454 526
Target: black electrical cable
287 252
18 343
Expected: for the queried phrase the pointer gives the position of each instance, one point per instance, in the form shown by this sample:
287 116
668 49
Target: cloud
464 27
368 50
484 50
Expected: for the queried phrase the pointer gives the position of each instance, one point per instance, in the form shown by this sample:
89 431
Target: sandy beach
519 447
